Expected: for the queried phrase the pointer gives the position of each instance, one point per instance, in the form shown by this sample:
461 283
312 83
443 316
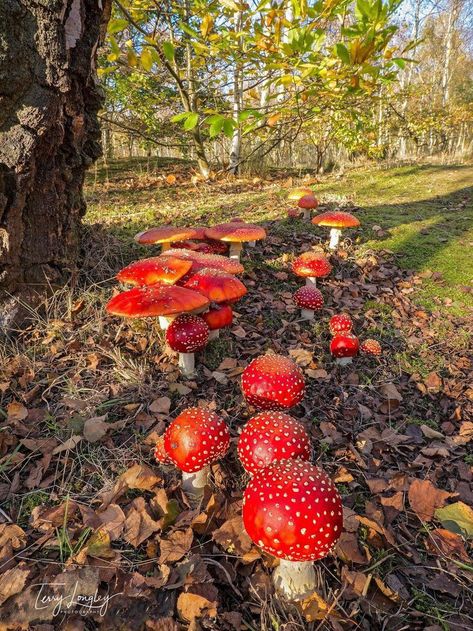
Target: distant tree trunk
48 137
453 15
235 145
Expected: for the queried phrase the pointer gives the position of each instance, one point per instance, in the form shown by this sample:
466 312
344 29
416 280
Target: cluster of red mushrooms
291 508
190 286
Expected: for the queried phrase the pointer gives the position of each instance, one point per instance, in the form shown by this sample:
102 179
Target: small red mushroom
193 440
273 382
340 323
311 265
218 318
293 511
309 299
344 347
371 347
336 220
186 335
271 436
307 203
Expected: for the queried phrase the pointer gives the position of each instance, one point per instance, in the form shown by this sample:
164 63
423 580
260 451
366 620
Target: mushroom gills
335 235
295 580
187 364
235 251
193 484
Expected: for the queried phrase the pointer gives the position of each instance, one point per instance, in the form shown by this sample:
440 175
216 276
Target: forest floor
83 397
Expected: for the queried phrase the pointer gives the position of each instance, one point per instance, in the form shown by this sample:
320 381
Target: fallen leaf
95 428
232 537
447 543
69 444
160 406
457 517
191 606
16 412
424 498
393 398
176 545
139 525
314 607
12 582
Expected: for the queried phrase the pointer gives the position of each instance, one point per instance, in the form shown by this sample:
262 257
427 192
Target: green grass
426 212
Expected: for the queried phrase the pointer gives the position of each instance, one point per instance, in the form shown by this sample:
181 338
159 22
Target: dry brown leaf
137 477
314 607
160 406
191 606
176 545
424 498
113 520
12 582
16 412
95 428
392 398
12 534
139 526
447 543
348 550
70 443
232 536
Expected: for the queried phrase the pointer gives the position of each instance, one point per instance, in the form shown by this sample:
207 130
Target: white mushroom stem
306 214
187 364
252 244
193 484
165 321
307 314
344 361
214 335
311 281
235 251
295 580
335 235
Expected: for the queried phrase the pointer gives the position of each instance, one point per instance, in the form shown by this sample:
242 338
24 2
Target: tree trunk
49 135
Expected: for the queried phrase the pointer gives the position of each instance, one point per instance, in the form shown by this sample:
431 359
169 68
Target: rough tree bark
49 135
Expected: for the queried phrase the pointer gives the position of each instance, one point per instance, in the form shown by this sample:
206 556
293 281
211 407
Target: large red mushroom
166 235
273 382
217 318
311 265
271 436
340 323
307 203
236 233
293 511
157 269
193 440
187 334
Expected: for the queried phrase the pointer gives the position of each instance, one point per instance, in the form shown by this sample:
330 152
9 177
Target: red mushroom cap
154 270
340 323
216 285
296 193
344 345
187 334
212 246
185 245
168 234
293 511
271 436
196 438
219 317
236 232
311 264
159 453
371 347
336 219
308 201
273 382
200 260
309 298
156 300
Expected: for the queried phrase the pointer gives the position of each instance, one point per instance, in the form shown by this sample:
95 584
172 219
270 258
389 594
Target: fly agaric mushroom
371 347
186 335
340 323
273 382
344 347
307 203
165 301
159 452
200 260
165 235
337 221
297 193
293 511
308 299
216 285
193 440
271 436
311 265
218 318
157 269
236 234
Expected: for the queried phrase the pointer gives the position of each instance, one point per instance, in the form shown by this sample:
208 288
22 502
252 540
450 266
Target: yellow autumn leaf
206 25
